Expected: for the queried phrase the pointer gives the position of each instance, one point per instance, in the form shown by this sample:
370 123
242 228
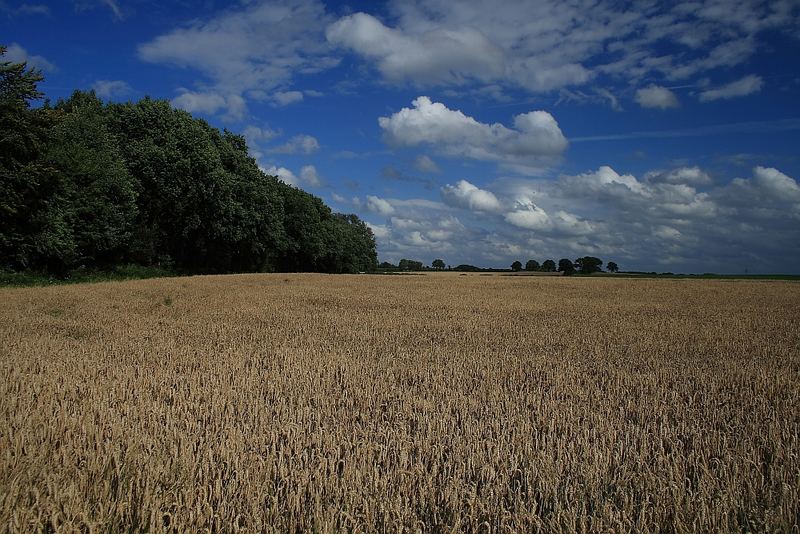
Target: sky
663 136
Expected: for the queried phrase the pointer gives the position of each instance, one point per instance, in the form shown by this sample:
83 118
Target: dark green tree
565 266
612 267
532 265
549 266
34 231
95 185
589 265
438 264
516 266
99 193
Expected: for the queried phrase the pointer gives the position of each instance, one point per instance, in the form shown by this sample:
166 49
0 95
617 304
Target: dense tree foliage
549 266
532 265
566 266
516 266
85 184
438 264
612 267
588 265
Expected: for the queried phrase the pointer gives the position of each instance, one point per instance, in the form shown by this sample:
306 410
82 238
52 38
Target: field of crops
435 402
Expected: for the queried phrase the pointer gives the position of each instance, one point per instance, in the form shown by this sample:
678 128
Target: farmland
430 402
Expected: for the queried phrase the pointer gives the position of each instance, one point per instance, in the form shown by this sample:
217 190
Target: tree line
583 265
85 184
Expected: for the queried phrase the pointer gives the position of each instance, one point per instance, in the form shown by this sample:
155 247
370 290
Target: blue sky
660 135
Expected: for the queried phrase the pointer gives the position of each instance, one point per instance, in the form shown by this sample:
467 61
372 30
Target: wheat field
441 402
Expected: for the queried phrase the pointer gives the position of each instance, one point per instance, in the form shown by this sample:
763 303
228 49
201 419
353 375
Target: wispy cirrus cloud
742 87
551 45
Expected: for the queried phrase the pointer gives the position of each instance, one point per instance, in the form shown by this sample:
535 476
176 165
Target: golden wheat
401 403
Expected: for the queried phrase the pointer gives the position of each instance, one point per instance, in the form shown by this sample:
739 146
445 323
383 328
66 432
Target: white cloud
109 89
445 56
655 96
533 142
607 180
469 196
284 174
379 205
551 44
259 47
284 98
381 231
425 164
309 175
303 144
210 102
254 134
531 217
746 86
641 224
777 184
682 175
16 54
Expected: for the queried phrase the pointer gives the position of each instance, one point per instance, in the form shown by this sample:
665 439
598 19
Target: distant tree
410 265
516 266
532 265
465 267
588 265
549 266
612 267
387 265
565 266
438 264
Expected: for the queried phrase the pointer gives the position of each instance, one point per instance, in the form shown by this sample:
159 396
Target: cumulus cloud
210 102
469 196
284 174
438 57
284 98
655 96
17 54
743 87
255 134
682 175
257 48
639 223
302 144
379 205
109 89
773 182
529 216
424 163
533 142
308 176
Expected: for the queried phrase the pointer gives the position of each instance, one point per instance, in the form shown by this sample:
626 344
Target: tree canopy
89 184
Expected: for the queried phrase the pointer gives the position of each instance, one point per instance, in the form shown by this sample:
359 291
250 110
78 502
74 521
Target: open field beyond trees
432 402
